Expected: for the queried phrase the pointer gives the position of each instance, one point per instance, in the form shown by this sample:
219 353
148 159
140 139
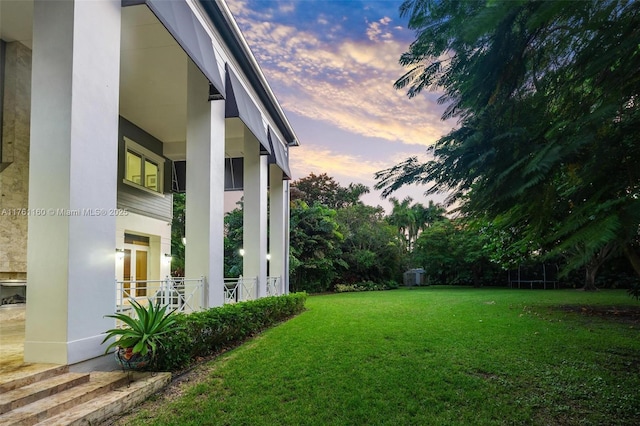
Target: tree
177 234
233 241
413 219
324 190
315 257
403 217
455 252
371 248
546 94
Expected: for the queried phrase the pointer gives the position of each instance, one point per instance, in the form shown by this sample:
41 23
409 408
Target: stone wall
14 179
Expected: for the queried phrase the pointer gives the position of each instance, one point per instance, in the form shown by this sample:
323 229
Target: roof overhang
279 154
239 105
224 22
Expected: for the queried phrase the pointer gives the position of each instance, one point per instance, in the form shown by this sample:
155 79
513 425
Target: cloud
313 158
377 30
343 82
346 169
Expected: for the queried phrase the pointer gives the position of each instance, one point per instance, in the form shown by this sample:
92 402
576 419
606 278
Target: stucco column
277 226
254 234
204 252
287 235
72 179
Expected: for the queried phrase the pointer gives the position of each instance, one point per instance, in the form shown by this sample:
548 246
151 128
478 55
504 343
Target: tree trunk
591 270
592 266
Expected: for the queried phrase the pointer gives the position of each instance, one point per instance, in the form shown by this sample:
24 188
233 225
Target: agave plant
144 333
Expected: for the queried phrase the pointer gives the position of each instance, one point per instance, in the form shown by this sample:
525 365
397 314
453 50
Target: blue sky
332 65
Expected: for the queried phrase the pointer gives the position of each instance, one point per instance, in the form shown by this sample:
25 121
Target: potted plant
138 341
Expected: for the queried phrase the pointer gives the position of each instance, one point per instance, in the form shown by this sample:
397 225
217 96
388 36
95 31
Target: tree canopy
546 97
323 189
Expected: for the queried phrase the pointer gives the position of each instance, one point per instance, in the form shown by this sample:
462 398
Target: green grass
429 356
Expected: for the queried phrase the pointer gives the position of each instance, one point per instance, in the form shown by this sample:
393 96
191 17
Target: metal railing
183 295
239 289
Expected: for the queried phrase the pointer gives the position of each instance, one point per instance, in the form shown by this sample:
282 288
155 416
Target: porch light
268 256
241 251
167 258
119 254
184 241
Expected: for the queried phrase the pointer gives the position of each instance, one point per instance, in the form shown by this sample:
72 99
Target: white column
277 225
72 178
204 252
254 264
287 235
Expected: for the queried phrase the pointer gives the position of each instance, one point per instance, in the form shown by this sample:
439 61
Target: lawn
426 356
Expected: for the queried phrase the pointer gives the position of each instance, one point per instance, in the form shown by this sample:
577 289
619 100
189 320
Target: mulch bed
626 314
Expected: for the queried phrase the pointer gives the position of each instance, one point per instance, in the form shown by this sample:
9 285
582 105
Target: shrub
366 286
205 333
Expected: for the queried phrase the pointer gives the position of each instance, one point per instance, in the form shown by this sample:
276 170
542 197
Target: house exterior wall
14 179
159 233
158 206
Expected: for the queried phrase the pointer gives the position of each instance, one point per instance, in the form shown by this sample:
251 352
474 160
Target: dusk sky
332 65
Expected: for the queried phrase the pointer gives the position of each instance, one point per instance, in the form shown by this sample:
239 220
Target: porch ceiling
153 74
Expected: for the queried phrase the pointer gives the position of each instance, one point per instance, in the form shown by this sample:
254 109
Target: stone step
111 403
21 380
99 384
32 392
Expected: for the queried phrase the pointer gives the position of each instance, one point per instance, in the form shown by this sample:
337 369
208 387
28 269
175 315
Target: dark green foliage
177 233
371 249
454 252
205 333
323 189
634 291
315 257
233 241
546 94
367 286
412 219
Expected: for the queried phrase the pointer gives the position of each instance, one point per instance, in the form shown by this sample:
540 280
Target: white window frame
144 154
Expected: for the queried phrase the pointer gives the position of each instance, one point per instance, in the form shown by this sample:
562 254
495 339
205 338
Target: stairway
59 397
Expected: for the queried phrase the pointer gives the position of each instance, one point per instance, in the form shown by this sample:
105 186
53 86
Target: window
142 167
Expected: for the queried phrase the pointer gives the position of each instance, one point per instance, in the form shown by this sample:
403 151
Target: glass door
135 271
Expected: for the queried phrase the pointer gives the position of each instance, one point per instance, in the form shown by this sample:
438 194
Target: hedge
204 333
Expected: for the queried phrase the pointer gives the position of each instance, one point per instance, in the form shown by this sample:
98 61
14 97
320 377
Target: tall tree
315 257
323 189
371 248
546 94
403 217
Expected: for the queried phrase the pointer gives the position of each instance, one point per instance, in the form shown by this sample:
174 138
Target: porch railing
183 295
274 286
239 289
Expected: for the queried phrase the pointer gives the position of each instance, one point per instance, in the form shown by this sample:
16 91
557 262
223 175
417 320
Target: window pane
134 168
151 175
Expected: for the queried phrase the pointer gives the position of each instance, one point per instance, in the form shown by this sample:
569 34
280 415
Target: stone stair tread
22 379
99 383
111 403
27 394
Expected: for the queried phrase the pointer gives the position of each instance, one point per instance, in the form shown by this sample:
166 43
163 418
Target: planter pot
130 361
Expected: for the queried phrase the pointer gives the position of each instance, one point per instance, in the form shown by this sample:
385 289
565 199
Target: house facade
108 108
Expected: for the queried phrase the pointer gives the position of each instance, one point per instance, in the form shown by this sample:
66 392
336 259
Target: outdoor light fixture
184 241
268 256
167 257
241 251
119 254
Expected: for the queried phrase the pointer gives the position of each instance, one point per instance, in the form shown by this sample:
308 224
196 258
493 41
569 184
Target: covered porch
181 73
